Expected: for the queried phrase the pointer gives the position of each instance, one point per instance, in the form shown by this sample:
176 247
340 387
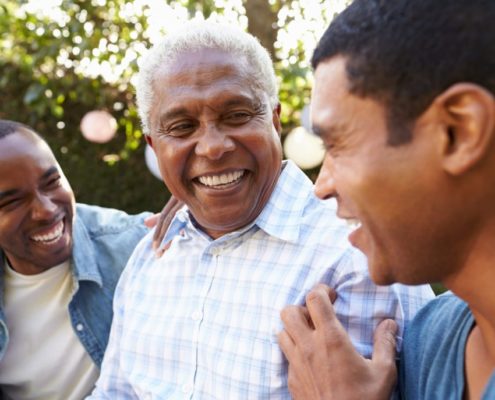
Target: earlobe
276 118
148 140
468 111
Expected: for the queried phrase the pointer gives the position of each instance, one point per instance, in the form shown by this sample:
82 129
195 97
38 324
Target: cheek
169 157
172 162
10 227
267 149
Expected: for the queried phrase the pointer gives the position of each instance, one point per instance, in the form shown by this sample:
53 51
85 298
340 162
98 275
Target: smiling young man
201 321
404 101
59 264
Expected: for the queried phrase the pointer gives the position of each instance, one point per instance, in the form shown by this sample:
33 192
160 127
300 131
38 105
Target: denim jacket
103 242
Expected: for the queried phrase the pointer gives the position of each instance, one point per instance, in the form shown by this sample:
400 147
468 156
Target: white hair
196 35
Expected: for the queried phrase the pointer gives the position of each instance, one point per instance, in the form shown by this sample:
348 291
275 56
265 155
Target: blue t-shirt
432 360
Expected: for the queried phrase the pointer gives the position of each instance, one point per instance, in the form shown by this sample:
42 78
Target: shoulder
141 257
445 311
433 348
101 220
105 237
320 217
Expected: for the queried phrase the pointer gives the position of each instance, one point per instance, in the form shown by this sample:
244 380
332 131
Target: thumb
385 343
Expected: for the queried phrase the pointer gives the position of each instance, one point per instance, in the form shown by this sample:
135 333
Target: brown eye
238 117
180 129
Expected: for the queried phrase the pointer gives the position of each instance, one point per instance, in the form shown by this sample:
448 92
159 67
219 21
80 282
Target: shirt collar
85 266
281 216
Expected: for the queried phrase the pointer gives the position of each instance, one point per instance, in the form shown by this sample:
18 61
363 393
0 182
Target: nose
325 183
213 144
43 208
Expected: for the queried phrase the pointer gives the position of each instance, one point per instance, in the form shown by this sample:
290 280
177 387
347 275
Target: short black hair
8 127
404 53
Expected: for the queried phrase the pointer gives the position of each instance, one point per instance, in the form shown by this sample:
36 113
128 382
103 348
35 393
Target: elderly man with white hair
202 321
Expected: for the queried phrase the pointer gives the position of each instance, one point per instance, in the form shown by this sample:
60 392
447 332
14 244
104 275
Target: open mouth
353 223
50 236
221 180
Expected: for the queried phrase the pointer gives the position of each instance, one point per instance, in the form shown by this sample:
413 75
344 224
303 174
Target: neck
473 283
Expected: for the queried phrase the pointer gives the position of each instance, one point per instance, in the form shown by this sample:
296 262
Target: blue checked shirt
201 322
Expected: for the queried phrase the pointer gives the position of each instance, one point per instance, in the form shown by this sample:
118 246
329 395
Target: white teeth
353 223
51 236
223 179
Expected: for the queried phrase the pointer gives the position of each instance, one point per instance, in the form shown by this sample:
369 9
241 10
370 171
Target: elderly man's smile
221 181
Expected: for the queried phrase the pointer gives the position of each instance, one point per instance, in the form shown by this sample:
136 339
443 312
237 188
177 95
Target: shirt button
196 315
187 388
79 327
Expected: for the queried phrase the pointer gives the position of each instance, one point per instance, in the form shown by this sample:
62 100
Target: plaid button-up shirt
201 322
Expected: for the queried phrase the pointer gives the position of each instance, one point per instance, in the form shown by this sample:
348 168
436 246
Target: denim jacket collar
85 266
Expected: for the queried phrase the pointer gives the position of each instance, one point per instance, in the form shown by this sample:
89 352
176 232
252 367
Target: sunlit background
68 68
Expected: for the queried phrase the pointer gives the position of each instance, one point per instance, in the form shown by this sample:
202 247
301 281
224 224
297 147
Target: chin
380 274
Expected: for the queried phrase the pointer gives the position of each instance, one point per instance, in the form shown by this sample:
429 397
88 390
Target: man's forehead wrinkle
204 74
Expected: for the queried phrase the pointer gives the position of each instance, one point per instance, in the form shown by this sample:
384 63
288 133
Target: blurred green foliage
47 83
44 85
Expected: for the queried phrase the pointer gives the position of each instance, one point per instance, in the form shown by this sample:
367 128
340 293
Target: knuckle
313 297
288 313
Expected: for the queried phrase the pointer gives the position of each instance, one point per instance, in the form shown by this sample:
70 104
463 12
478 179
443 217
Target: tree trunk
262 23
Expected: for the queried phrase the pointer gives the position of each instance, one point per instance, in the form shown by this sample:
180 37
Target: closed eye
237 117
53 183
10 203
179 129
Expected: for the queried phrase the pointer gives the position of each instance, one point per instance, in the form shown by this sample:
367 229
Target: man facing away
59 264
404 101
201 321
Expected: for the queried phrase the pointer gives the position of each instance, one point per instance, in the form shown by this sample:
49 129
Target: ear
149 140
468 113
276 118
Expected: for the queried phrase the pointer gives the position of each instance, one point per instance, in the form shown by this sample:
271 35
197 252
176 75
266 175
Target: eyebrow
319 131
12 192
176 112
241 100
330 131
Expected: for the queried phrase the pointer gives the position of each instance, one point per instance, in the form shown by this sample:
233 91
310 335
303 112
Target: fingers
384 347
296 322
157 235
319 302
151 221
164 220
286 344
